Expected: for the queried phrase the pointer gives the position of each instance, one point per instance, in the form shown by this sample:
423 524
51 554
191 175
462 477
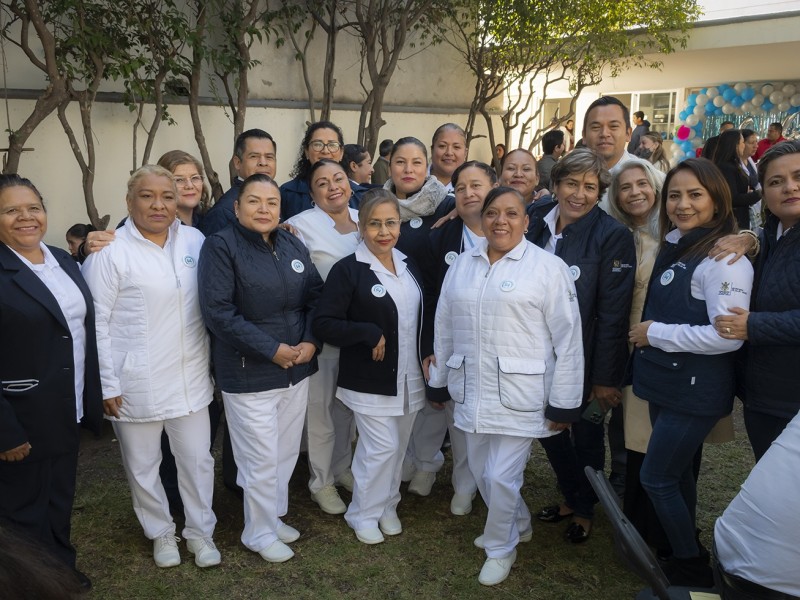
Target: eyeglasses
376 225
318 146
194 181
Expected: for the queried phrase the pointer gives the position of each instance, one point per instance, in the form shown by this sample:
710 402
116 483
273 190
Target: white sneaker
495 570
369 536
329 501
205 552
421 483
390 525
461 504
286 533
524 537
408 471
277 552
346 480
165 551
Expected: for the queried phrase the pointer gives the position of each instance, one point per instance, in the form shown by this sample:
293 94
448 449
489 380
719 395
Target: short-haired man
553 147
254 152
641 127
380 173
774 136
725 125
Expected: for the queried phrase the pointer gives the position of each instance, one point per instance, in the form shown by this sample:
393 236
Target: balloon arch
755 105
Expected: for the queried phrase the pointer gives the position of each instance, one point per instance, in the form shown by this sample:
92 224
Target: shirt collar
50 261
551 220
516 253
364 255
330 221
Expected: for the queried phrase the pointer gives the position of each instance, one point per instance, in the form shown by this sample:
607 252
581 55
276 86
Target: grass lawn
433 557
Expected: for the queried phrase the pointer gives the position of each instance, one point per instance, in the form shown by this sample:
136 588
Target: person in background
750 147
770 321
508 347
380 173
640 127
728 159
726 126
774 136
681 366
358 165
330 232
652 149
553 147
76 236
372 308
190 177
50 378
499 152
569 135
448 152
258 288
518 171
255 151
154 362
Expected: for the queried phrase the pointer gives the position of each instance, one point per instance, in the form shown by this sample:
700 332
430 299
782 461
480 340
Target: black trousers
762 430
36 500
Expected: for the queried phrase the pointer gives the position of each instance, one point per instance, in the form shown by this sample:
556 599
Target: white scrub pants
462 479
140 446
425 444
265 429
377 465
498 464
329 426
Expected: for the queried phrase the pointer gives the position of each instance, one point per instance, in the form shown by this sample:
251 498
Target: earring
524 232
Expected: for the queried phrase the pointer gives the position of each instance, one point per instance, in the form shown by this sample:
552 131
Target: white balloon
776 97
757 100
728 109
697 141
784 106
789 89
767 89
747 107
795 100
719 101
703 98
757 111
692 120
739 87
699 110
711 92
692 134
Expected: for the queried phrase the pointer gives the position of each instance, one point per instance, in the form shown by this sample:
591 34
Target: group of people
448 299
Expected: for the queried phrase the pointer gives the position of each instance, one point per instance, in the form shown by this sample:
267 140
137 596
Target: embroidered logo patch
667 277
378 291
298 266
575 271
508 285
189 261
725 289
415 223
450 257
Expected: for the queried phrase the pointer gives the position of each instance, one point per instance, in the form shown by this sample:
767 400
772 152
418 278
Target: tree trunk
328 82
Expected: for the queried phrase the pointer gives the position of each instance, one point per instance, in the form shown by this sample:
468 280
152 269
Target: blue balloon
767 106
710 108
718 110
691 100
704 91
682 115
721 88
686 145
699 128
729 94
748 94
793 110
737 101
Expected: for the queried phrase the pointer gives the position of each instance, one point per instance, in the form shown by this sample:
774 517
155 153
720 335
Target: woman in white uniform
508 347
371 307
154 362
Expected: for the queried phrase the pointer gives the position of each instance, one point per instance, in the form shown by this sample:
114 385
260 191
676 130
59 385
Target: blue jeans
667 475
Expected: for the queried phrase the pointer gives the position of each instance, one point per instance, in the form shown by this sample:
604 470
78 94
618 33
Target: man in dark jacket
640 128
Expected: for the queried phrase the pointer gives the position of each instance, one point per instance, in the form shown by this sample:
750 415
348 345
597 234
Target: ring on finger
728 330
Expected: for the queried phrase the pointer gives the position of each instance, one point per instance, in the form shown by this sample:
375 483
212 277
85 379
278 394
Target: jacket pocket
520 383
18 386
667 360
457 377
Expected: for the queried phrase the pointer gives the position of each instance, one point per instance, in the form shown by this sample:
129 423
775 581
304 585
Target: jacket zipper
285 300
173 243
478 350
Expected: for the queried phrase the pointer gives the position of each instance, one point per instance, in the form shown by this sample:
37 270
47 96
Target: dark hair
301 167
175 158
80 230
487 170
258 178
639 114
14 180
523 150
551 139
29 571
582 160
371 199
721 125
747 133
727 145
409 140
448 127
386 147
352 153
710 147
775 152
723 222
495 193
325 162
607 101
241 141
777 126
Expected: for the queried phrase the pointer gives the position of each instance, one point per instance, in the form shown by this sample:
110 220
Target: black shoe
576 534
83 581
552 514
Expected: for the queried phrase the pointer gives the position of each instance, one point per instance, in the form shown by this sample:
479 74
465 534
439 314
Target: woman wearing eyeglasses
323 139
372 308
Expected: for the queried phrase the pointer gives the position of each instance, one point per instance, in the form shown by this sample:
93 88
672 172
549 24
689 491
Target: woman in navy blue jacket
258 288
372 308
772 327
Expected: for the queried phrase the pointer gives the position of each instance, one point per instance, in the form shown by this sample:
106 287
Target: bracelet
755 250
